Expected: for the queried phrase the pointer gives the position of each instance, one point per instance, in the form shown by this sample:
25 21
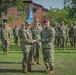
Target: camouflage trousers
66 40
5 45
27 57
71 40
62 41
36 50
48 57
16 40
56 41
75 41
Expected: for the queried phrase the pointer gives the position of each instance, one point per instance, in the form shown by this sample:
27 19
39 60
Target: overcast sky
48 3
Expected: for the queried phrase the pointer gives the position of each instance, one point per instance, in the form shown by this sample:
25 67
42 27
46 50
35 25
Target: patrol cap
36 20
46 20
27 22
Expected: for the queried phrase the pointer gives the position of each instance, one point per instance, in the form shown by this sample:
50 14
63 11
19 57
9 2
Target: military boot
29 70
74 46
38 62
47 70
6 52
25 70
50 72
34 62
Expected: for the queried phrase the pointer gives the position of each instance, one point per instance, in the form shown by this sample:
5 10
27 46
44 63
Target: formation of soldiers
34 37
63 32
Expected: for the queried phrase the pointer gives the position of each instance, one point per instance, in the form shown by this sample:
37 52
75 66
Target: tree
68 13
56 15
71 6
5 4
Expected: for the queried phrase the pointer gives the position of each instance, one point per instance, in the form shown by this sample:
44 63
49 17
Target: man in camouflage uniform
74 29
47 39
27 41
67 34
62 32
56 34
71 35
58 26
36 31
15 33
0 33
20 33
5 38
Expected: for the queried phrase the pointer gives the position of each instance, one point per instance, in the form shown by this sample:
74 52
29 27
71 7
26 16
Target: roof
30 1
27 1
37 4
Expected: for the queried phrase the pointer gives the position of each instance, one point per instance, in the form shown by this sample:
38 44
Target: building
39 11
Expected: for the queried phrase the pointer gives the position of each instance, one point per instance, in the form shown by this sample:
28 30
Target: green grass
65 62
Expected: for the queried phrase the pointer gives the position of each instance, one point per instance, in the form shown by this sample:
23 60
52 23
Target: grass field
65 62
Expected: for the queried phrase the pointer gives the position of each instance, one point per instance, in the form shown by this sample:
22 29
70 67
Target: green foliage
5 4
71 5
10 19
68 14
56 15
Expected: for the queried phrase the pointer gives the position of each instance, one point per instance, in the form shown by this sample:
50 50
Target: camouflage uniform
20 35
36 31
15 33
62 33
56 35
26 43
47 38
67 34
0 33
10 31
74 29
5 39
71 35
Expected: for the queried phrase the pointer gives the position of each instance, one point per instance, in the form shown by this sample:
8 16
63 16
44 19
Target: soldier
5 38
10 30
62 32
20 33
71 35
56 34
26 39
15 33
36 31
74 29
0 33
67 34
58 26
47 39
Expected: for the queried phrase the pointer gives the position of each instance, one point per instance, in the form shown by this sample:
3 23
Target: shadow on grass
16 52
10 62
18 71
65 52
10 70
37 71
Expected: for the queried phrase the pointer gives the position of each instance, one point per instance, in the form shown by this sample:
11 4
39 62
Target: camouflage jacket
36 31
26 37
63 31
48 37
5 34
74 29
